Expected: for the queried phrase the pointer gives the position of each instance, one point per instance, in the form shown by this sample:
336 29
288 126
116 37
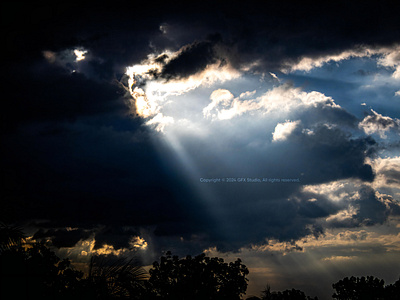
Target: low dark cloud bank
192 59
73 154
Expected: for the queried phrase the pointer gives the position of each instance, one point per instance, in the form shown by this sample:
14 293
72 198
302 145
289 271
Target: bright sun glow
80 54
151 93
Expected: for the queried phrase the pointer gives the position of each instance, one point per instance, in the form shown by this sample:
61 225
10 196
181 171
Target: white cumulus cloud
283 130
283 99
376 123
389 57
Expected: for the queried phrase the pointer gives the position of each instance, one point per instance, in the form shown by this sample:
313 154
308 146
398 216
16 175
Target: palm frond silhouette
119 277
10 236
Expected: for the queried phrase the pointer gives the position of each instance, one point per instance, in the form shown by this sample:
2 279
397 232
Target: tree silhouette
292 294
35 272
197 278
356 288
392 291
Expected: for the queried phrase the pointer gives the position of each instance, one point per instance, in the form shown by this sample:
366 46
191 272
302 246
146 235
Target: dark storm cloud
327 153
117 236
393 205
106 30
91 175
324 153
101 183
39 91
75 157
273 34
191 59
371 210
280 211
367 209
286 31
339 155
276 35
325 114
313 206
62 237
391 175
365 206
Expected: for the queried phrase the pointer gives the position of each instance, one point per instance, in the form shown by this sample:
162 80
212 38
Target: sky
266 132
